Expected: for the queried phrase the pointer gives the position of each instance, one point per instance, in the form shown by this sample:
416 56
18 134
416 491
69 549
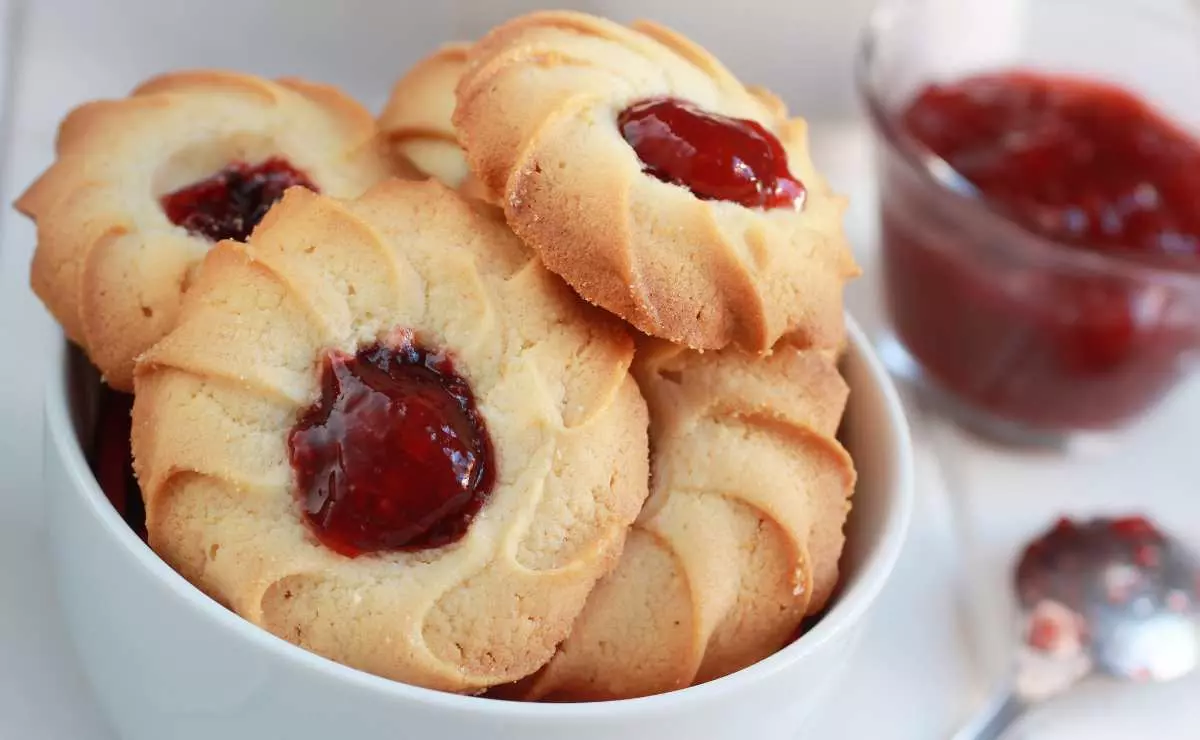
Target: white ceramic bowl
168 663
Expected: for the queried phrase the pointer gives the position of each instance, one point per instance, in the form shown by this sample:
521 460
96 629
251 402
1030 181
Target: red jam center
716 157
394 455
1084 164
230 204
1081 162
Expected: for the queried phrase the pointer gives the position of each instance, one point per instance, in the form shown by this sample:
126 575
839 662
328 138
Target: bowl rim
847 610
967 205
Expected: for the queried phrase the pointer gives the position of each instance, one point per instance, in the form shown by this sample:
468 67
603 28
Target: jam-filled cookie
383 431
654 182
143 186
741 535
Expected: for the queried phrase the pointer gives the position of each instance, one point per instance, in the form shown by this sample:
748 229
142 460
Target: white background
939 632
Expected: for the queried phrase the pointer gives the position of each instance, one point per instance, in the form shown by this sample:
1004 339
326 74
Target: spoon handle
995 718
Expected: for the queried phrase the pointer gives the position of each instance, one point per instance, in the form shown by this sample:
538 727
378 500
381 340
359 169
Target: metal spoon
1108 596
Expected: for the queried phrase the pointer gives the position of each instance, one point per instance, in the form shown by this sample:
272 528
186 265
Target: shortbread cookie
383 431
654 182
416 121
143 186
741 535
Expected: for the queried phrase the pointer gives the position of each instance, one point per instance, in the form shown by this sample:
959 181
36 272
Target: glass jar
1026 336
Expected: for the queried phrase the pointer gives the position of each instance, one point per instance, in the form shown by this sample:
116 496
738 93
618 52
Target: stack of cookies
529 387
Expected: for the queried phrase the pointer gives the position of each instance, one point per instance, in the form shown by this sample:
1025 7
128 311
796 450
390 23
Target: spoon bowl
1130 590
1113 596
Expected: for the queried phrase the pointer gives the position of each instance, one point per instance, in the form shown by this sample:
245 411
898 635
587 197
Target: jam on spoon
714 156
1112 595
394 455
230 204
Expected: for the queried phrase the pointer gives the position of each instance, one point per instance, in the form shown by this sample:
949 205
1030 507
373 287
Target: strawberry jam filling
230 204
714 156
394 455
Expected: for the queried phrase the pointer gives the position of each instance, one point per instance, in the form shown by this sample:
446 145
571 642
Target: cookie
416 122
740 538
382 431
142 186
654 182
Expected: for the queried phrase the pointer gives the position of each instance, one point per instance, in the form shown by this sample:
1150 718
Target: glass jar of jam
1040 228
